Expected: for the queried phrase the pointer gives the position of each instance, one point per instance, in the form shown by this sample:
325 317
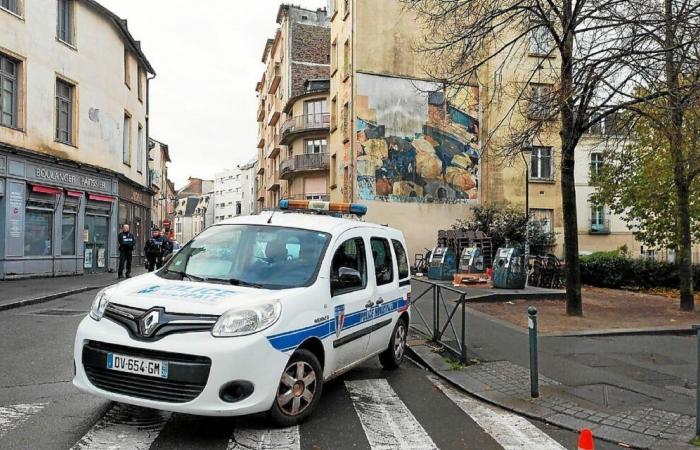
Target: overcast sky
207 61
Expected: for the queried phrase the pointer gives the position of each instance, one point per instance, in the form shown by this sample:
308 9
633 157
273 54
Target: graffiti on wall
413 145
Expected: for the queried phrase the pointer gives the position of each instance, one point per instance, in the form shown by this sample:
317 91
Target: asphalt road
368 408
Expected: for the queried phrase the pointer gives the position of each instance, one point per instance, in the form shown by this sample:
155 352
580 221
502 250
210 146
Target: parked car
254 314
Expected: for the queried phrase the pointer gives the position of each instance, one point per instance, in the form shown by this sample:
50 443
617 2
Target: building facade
293 115
73 134
158 174
249 187
227 194
203 216
183 222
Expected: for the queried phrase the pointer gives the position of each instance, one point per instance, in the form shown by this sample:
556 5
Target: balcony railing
600 226
323 196
308 122
305 162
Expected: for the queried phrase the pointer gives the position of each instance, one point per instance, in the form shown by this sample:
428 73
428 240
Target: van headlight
248 320
99 305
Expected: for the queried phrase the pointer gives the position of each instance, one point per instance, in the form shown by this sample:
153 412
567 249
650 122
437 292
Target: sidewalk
30 291
636 390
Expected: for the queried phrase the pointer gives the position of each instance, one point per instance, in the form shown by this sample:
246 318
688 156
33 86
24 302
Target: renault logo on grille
149 322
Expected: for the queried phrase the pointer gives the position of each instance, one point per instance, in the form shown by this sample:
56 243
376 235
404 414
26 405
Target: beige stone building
73 137
159 157
293 117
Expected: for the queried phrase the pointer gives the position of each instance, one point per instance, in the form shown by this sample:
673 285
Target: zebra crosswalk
416 412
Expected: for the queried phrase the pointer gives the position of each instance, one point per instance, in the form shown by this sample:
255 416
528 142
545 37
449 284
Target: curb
652 331
417 357
47 298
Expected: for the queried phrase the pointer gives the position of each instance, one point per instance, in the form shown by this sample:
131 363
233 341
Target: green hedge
616 270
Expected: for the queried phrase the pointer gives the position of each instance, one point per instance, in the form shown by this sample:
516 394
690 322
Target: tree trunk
675 112
569 138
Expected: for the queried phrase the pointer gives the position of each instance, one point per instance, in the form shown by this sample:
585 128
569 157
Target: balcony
261 170
261 111
273 181
301 124
274 118
600 226
275 79
303 163
323 197
261 195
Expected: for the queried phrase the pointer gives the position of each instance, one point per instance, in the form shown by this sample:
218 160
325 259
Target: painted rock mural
413 145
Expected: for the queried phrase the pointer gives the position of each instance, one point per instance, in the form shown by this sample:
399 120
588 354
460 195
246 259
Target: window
334 168
139 150
541 163
401 259
315 146
334 113
316 113
540 41
10 5
334 57
383 265
139 84
349 267
64 111
346 60
38 223
599 222
126 140
540 102
68 234
596 164
127 68
543 216
65 21
346 122
9 73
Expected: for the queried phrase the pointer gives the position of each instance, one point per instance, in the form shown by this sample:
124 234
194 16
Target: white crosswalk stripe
249 437
124 427
509 430
15 415
387 422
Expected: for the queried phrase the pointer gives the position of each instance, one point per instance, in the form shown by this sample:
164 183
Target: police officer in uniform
155 249
126 248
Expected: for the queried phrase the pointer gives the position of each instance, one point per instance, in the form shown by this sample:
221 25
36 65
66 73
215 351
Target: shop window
38 223
68 225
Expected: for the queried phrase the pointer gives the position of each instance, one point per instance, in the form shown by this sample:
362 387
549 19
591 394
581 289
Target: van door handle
380 301
369 304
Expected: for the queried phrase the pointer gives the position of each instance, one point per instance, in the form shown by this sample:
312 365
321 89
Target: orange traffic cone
585 440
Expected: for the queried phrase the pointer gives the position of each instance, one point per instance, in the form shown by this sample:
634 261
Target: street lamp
526 152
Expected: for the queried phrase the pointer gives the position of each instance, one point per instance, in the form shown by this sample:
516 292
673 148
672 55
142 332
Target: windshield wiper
237 282
184 275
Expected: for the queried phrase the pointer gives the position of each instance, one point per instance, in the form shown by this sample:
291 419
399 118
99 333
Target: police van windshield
250 255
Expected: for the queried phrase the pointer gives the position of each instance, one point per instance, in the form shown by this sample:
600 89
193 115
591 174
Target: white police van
252 315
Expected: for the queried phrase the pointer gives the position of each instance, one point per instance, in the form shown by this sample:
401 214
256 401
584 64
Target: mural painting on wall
413 145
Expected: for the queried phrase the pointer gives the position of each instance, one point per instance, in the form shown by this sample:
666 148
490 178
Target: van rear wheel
299 389
393 356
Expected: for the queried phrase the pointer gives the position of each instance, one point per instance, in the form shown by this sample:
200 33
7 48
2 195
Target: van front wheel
393 356
299 389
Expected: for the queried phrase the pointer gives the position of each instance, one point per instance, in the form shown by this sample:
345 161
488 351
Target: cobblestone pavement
508 385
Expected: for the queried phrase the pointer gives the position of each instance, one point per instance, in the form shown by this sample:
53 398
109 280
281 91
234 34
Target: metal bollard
534 374
697 388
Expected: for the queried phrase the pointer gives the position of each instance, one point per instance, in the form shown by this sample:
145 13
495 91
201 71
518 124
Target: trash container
443 264
509 271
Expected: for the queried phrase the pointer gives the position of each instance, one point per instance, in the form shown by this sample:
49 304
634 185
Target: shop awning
100 198
74 193
45 189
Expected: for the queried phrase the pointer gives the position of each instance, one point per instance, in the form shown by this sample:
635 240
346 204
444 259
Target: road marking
124 427
251 437
15 415
509 430
387 422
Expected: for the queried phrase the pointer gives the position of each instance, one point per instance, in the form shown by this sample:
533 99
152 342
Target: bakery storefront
135 210
56 218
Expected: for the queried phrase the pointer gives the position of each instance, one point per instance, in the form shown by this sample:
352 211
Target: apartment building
227 194
73 137
159 157
293 114
249 188
203 216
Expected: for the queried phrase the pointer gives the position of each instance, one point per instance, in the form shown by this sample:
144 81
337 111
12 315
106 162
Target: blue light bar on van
316 205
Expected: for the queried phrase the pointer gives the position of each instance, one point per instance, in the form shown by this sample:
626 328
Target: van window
349 267
383 265
401 259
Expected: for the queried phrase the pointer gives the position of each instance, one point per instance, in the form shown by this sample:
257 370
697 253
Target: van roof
315 222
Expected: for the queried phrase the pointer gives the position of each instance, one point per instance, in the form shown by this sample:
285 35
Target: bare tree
581 50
